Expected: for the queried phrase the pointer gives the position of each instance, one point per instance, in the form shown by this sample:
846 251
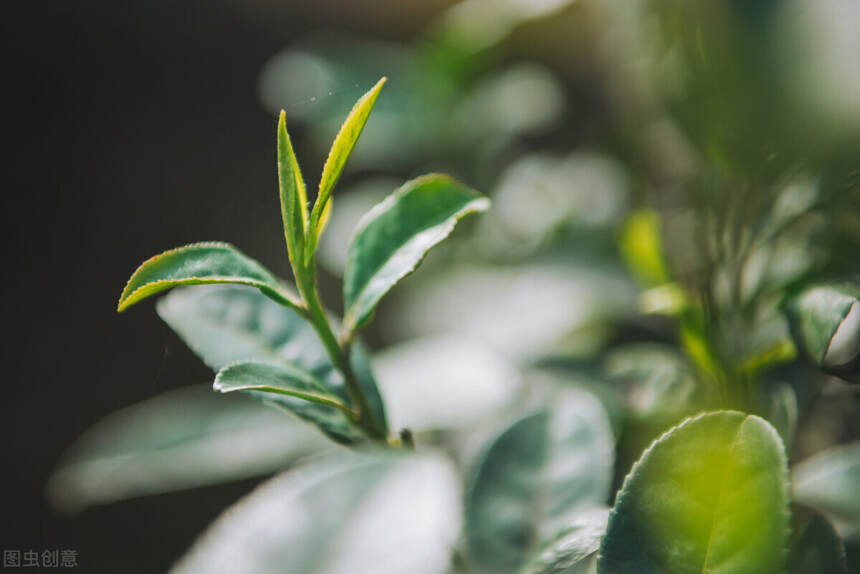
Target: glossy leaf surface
340 151
182 439
535 478
286 386
197 264
395 236
224 324
574 550
828 481
710 495
339 515
825 322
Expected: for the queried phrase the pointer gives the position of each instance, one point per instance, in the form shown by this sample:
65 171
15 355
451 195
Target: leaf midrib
720 497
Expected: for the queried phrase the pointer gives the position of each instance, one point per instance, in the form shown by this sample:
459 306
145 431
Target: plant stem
339 355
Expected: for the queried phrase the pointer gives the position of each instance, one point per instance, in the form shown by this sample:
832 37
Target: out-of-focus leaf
395 236
523 312
294 198
181 439
342 147
817 549
198 264
829 482
384 514
782 409
574 550
825 322
296 391
540 198
709 495
655 379
224 324
443 382
535 478
642 247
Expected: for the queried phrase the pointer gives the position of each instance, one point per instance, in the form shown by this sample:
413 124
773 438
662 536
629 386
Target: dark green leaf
535 478
198 264
181 439
829 482
339 515
573 551
825 322
341 148
710 495
288 387
817 549
224 324
294 201
395 236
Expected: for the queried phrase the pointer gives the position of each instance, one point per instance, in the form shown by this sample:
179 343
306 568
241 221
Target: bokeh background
139 126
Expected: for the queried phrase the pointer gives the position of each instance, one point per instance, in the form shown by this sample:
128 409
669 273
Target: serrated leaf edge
277 292
785 482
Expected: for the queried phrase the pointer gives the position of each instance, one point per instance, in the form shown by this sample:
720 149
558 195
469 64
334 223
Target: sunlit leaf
224 324
535 478
395 236
642 247
286 386
198 264
181 439
574 550
828 481
817 549
711 495
342 147
294 201
339 515
825 322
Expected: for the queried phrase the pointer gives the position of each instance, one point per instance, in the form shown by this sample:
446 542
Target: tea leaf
817 549
199 264
535 478
294 390
294 200
573 551
825 322
340 151
828 482
336 515
177 440
710 495
224 324
642 248
395 236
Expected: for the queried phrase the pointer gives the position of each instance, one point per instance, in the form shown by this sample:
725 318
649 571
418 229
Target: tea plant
711 493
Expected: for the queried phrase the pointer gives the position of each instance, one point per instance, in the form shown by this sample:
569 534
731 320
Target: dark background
130 127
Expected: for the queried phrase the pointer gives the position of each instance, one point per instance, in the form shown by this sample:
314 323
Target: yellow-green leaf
198 264
710 495
294 201
340 151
